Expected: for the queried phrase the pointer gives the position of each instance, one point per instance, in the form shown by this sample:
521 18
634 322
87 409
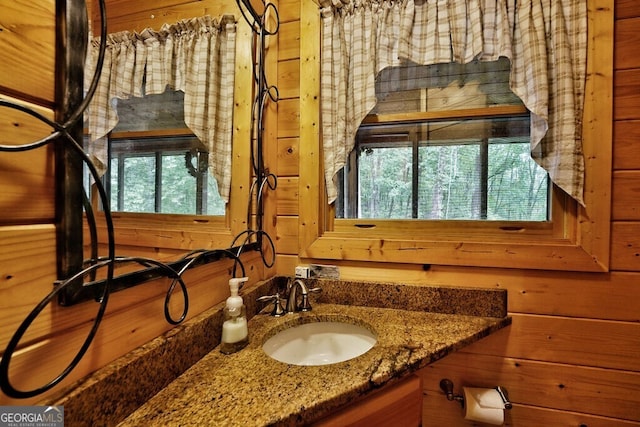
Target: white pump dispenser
235 333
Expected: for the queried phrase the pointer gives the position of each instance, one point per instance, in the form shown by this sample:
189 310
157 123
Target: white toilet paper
484 405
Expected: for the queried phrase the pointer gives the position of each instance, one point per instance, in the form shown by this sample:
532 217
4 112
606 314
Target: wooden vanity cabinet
399 404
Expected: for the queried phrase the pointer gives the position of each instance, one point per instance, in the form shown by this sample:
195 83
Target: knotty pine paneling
22 128
28 187
626 194
610 296
626 90
145 17
625 246
289 79
626 154
27 44
286 264
287 235
531 383
288 157
575 341
289 41
450 414
289 118
289 10
21 289
27 178
287 192
627 9
185 240
27 274
120 8
626 40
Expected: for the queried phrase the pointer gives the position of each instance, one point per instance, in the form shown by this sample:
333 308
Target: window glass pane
385 178
449 182
518 186
185 184
215 205
178 186
471 169
139 184
113 187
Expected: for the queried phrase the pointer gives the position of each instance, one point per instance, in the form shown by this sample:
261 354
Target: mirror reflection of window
156 165
162 175
411 160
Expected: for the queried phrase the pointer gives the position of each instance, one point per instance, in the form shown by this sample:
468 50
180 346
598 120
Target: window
574 238
472 169
477 167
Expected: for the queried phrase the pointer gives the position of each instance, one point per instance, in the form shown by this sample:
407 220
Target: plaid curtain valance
545 41
196 56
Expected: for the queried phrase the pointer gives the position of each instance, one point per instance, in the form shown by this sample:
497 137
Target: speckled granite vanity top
248 388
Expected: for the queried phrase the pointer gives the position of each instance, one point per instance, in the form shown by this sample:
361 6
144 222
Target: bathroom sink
319 343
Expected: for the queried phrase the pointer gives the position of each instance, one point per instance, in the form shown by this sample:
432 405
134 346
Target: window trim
577 239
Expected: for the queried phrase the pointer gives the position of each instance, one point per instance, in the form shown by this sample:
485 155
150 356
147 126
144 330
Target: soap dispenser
235 333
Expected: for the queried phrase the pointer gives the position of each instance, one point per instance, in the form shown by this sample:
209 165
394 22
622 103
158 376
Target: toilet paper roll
484 405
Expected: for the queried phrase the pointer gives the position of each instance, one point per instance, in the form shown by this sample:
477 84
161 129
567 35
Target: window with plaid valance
196 56
545 42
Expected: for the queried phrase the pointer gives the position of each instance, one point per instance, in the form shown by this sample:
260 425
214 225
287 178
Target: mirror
175 234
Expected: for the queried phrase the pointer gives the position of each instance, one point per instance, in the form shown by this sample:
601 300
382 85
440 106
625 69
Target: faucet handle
304 304
277 310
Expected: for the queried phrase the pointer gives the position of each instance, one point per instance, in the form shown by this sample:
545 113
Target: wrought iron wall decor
78 278
263 179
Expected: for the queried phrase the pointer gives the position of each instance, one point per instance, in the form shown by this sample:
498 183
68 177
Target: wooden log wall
27 205
571 356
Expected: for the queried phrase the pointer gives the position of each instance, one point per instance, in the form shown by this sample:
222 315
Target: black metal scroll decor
72 40
259 23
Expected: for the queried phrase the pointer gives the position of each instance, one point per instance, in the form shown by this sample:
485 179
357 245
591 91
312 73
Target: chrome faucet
293 288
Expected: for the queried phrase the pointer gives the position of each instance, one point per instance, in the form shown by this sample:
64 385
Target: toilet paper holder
447 387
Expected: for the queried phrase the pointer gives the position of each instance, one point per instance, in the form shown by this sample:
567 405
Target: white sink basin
319 343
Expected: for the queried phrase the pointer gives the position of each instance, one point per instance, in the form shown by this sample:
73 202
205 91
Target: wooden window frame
577 238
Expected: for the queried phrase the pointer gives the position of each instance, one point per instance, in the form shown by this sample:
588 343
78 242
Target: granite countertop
248 388
181 378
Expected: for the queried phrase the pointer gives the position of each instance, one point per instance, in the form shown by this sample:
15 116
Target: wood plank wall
571 356
27 202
